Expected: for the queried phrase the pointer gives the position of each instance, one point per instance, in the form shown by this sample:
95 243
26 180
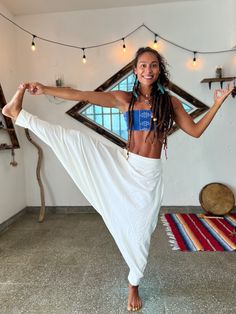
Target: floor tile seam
200 296
80 256
13 264
77 286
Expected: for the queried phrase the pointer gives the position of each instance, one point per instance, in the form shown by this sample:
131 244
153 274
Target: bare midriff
143 146
140 144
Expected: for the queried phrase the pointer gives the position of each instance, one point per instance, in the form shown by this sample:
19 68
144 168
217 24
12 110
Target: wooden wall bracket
221 80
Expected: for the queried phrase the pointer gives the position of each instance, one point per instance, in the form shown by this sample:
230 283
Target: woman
124 186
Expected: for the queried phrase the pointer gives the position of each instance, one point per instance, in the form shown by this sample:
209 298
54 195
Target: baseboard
4 225
49 210
187 209
62 210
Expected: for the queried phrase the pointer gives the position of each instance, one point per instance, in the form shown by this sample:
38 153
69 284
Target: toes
133 309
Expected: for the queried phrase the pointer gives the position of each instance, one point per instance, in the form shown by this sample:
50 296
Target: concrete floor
70 264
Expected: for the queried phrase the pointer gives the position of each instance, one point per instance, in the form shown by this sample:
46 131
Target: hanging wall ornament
13 162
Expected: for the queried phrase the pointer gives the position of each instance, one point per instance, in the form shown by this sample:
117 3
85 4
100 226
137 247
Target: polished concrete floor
70 264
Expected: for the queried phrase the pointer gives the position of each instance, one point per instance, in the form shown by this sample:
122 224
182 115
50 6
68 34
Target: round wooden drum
216 199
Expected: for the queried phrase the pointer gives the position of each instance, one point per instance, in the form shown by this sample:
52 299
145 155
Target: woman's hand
219 100
36 88
187 124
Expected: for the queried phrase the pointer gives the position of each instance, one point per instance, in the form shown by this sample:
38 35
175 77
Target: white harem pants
127 193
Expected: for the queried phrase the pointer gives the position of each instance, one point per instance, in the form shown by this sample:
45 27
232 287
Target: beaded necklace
147 101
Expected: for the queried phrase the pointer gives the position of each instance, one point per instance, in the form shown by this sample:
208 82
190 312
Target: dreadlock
162 110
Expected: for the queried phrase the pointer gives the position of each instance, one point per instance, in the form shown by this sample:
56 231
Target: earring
135 88
160 88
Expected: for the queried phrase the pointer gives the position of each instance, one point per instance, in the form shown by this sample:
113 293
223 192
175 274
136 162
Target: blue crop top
141 120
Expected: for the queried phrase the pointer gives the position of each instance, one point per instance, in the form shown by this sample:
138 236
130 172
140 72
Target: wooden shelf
221 80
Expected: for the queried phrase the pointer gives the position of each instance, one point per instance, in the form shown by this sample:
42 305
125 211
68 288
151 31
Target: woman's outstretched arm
187 124
115 99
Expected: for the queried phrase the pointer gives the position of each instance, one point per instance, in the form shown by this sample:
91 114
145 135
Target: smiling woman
111 123
149 90
124 186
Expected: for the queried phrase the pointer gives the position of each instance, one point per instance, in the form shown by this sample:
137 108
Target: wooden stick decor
40 157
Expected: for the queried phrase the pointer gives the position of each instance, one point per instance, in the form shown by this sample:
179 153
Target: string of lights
122 39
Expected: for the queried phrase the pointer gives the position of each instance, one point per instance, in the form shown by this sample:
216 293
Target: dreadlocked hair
162 110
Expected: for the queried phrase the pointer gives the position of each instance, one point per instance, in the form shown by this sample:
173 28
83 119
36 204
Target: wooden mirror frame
9 127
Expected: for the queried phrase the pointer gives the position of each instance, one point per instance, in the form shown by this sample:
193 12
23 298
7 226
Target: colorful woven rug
190 232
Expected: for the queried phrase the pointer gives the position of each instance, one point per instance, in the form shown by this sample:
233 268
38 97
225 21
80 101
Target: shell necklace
147 99
148 102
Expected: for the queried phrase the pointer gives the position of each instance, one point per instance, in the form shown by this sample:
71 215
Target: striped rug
190 232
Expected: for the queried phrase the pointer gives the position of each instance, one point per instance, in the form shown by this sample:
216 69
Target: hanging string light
84 56
194 58
155 42
124 47
33 47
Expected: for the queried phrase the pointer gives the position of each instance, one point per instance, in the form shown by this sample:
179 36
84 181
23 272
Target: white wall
12 187
233 25
199 25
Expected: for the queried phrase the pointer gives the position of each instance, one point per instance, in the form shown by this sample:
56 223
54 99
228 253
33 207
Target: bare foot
13 108
134 300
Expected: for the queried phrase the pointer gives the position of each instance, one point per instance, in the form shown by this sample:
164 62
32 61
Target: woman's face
147 69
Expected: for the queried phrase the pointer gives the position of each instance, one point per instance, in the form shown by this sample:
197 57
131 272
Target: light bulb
194 58
124 47
33 47
155 42
84 56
